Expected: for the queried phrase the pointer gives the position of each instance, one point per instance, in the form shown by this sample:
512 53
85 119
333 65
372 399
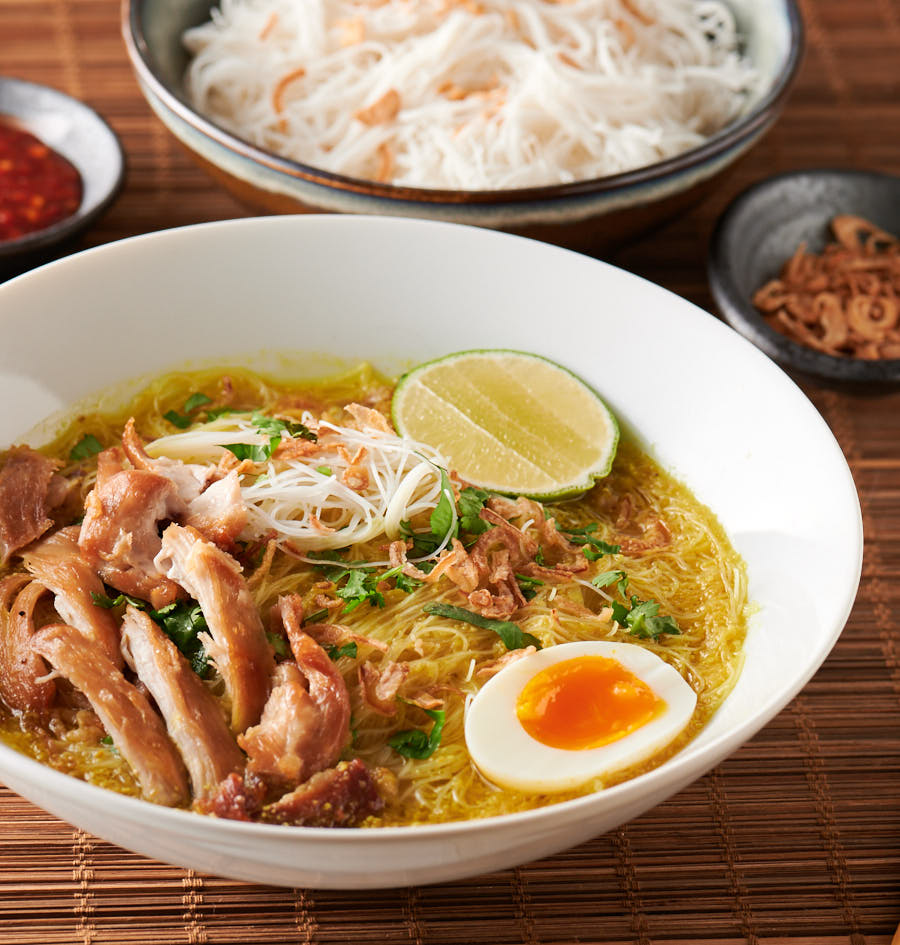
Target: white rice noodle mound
305 504
487 94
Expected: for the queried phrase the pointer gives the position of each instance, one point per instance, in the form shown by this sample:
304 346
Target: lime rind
571 487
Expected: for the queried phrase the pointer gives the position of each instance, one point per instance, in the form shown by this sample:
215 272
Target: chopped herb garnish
361 586
619 578
414 743
278 644
86 447
641 619
528 586
106 740
317 616
348 649
183 420
181 620
471 502
594 547
273 428
195 401
324 470
512 635
407 584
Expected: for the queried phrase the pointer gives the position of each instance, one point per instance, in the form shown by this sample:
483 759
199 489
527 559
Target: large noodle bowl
360 615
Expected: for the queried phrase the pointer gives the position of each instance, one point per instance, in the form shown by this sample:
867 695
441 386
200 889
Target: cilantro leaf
641 619
107 603
407 584
443 516
278 644
273 428
253 451
195 401
86 447
471 502
512 635
414 743
619 578
361 586
528 586
182 420
594 547
324 470
348 649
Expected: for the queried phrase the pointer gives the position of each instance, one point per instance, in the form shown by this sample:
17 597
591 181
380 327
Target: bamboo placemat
795 839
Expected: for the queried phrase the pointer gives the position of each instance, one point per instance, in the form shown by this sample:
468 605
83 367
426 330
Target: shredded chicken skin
339 797
57 563
137 731
306 720
26 498
236 642
119 536
193 716
22 686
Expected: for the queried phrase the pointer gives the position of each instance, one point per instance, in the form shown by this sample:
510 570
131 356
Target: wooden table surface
794 839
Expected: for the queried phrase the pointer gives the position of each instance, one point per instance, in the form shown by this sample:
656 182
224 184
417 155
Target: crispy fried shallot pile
844 301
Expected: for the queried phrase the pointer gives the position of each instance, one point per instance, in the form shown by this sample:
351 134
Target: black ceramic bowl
81 136
761 230
587 214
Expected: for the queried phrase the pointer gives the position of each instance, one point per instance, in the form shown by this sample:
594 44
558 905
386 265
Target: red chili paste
38 187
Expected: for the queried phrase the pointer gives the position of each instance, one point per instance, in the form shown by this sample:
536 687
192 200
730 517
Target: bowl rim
743 316
732 135
86 212
687 765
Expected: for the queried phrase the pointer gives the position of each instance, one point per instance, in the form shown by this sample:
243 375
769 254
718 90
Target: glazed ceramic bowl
81 136
587 214
761 230
273 293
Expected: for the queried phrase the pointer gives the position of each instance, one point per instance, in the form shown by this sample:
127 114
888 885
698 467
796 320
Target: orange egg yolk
584 703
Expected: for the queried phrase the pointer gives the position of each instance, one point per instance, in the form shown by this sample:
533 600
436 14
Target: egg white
508 756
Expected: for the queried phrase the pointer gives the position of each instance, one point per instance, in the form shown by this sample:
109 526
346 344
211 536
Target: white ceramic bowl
709 405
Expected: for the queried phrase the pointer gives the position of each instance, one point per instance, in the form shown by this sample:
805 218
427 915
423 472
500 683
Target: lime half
509 422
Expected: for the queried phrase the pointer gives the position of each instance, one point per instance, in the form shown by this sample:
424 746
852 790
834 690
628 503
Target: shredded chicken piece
219 512
236 642
119 535
492 667
22 684
58 564
379 685
335 634
306 720
27 495
137 731
339 797
193 716
189 479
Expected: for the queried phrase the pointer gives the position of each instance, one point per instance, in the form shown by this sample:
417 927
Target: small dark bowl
81 136
761 230
589 214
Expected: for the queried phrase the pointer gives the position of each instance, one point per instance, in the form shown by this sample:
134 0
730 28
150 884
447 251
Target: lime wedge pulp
509 422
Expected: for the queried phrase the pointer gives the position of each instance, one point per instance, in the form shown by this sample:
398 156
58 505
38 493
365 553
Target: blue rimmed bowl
585 214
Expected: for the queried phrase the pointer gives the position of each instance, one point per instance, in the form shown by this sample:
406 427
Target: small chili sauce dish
61 166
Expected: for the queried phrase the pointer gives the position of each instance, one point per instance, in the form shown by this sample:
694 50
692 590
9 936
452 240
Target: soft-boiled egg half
563 716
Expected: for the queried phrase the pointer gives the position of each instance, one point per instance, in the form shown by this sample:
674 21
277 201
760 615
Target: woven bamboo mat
795 839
